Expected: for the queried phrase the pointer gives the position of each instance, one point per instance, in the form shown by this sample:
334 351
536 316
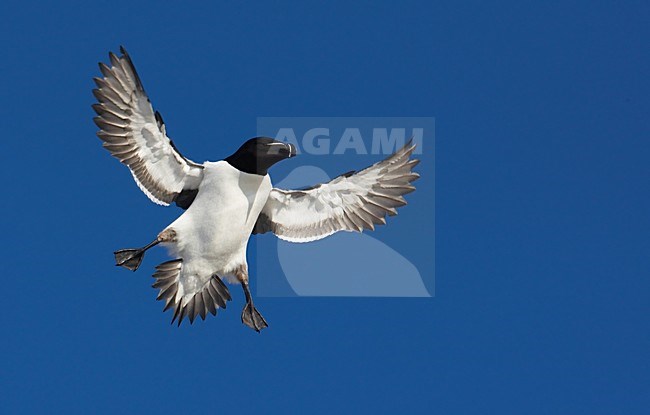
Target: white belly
213 233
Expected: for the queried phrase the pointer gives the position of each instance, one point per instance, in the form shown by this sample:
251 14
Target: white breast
213 233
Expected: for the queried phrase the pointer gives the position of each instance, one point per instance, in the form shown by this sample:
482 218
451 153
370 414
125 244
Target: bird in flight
227 201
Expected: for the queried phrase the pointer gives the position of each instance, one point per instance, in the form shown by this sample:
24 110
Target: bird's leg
132 258
249 316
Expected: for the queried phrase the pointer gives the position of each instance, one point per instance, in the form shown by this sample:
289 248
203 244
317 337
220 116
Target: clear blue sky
542 208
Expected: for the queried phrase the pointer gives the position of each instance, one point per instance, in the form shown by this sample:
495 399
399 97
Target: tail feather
188 300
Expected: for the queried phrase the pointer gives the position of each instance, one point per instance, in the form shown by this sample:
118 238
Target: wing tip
127 58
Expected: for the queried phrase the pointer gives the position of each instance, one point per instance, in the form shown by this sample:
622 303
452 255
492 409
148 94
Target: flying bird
227 201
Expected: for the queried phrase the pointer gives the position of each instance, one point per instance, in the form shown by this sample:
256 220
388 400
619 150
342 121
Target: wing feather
350 202
134 134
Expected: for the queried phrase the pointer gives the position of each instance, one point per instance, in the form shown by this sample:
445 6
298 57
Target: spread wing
350 202
134 134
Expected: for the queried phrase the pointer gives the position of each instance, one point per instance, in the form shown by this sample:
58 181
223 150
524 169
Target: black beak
292 149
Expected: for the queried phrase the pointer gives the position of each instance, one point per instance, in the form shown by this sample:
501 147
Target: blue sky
541 189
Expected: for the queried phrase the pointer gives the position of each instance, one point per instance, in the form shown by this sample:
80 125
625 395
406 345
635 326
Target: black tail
129 258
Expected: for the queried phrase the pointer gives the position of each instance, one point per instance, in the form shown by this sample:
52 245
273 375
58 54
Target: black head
258 154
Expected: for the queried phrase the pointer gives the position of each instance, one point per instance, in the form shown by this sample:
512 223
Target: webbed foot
252 318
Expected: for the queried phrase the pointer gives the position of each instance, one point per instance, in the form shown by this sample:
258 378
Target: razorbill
228 200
